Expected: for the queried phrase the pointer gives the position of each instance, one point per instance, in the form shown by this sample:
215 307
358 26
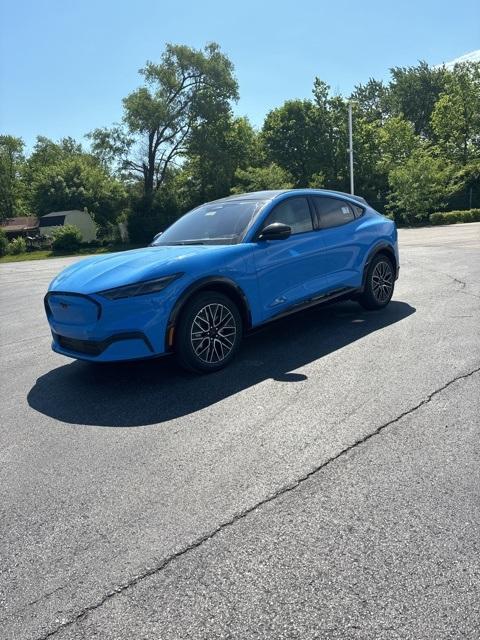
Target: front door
292 270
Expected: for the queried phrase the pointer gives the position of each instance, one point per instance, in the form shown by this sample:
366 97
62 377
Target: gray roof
61 213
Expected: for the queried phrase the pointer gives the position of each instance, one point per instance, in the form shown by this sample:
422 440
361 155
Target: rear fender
382 247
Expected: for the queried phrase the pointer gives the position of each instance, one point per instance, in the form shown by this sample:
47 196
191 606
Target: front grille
96 347
72 308
88 347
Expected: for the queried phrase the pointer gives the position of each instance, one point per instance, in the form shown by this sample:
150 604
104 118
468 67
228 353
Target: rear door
292 270
339 222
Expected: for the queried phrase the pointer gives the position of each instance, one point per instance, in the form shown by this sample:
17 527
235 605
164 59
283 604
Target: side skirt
312 302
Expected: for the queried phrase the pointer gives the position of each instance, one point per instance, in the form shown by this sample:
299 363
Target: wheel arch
383 248
219 284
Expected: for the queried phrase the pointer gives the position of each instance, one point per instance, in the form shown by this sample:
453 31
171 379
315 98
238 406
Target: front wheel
209 333
379 283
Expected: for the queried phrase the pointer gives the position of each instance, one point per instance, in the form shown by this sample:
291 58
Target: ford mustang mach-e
220 270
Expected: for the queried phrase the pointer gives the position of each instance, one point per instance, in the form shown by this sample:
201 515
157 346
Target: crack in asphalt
150 571
463 284
44 596
40 598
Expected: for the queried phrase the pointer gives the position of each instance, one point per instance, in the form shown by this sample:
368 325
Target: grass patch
43 255
22 257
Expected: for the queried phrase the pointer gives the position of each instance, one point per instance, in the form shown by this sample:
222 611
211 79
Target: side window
358 211
295 212
332 212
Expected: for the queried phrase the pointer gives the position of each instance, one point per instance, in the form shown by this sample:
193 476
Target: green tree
369 181
371 100
336 165
13 192
47 153
414 92
3 243
396 141
291 137
261 178
151 214
466 187
217 149
185 89
420 186
110 146
456 116
379 148
77 182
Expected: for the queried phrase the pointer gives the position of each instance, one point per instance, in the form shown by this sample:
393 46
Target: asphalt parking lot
326 485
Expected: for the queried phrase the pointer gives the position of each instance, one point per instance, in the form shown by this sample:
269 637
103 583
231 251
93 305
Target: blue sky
66 64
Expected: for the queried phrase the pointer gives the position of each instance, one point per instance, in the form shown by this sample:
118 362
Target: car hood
117 269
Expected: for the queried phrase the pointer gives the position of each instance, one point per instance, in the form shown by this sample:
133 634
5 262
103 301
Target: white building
81 219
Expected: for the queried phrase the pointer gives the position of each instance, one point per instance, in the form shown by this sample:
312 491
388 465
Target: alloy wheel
213 333
382 281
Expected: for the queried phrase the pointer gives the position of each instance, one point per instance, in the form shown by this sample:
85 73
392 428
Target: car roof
274 193
254 195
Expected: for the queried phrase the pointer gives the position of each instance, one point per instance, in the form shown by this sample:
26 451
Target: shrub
17 245
66 239
451 217
3 243
94 244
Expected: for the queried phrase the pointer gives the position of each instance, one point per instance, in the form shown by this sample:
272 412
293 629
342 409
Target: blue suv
220 270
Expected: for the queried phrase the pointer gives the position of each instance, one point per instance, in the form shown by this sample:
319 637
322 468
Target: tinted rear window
332 212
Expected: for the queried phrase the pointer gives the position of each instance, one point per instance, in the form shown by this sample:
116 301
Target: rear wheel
209 333
379 283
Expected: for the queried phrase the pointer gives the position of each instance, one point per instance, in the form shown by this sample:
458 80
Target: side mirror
275 231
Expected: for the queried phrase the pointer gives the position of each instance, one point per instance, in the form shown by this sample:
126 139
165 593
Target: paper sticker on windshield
346 211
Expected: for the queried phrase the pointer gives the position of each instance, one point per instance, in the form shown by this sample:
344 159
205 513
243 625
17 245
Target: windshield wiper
186 242
199 241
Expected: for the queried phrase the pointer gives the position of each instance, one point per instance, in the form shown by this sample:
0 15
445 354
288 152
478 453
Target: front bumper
123 346
88 327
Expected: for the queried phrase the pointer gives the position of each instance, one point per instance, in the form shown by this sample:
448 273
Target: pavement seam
239 516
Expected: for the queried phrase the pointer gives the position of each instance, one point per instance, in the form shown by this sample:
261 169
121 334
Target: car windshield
213 223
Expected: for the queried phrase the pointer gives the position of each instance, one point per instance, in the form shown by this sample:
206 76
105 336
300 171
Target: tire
200 345
379 283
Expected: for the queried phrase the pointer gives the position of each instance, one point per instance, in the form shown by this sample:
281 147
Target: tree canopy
179 143
187 88
13 200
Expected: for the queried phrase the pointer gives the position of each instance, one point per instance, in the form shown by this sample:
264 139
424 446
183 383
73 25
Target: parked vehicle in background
218 271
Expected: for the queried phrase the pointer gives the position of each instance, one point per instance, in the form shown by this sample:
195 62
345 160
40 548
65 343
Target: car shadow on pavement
154 391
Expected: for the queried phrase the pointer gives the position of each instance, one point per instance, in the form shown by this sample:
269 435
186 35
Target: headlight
139 288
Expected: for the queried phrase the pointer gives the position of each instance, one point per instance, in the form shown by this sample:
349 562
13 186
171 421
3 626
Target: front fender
217 282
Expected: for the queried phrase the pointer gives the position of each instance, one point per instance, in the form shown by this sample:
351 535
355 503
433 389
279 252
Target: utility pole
350 146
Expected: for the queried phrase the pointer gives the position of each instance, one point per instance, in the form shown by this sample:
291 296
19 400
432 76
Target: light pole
350 146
